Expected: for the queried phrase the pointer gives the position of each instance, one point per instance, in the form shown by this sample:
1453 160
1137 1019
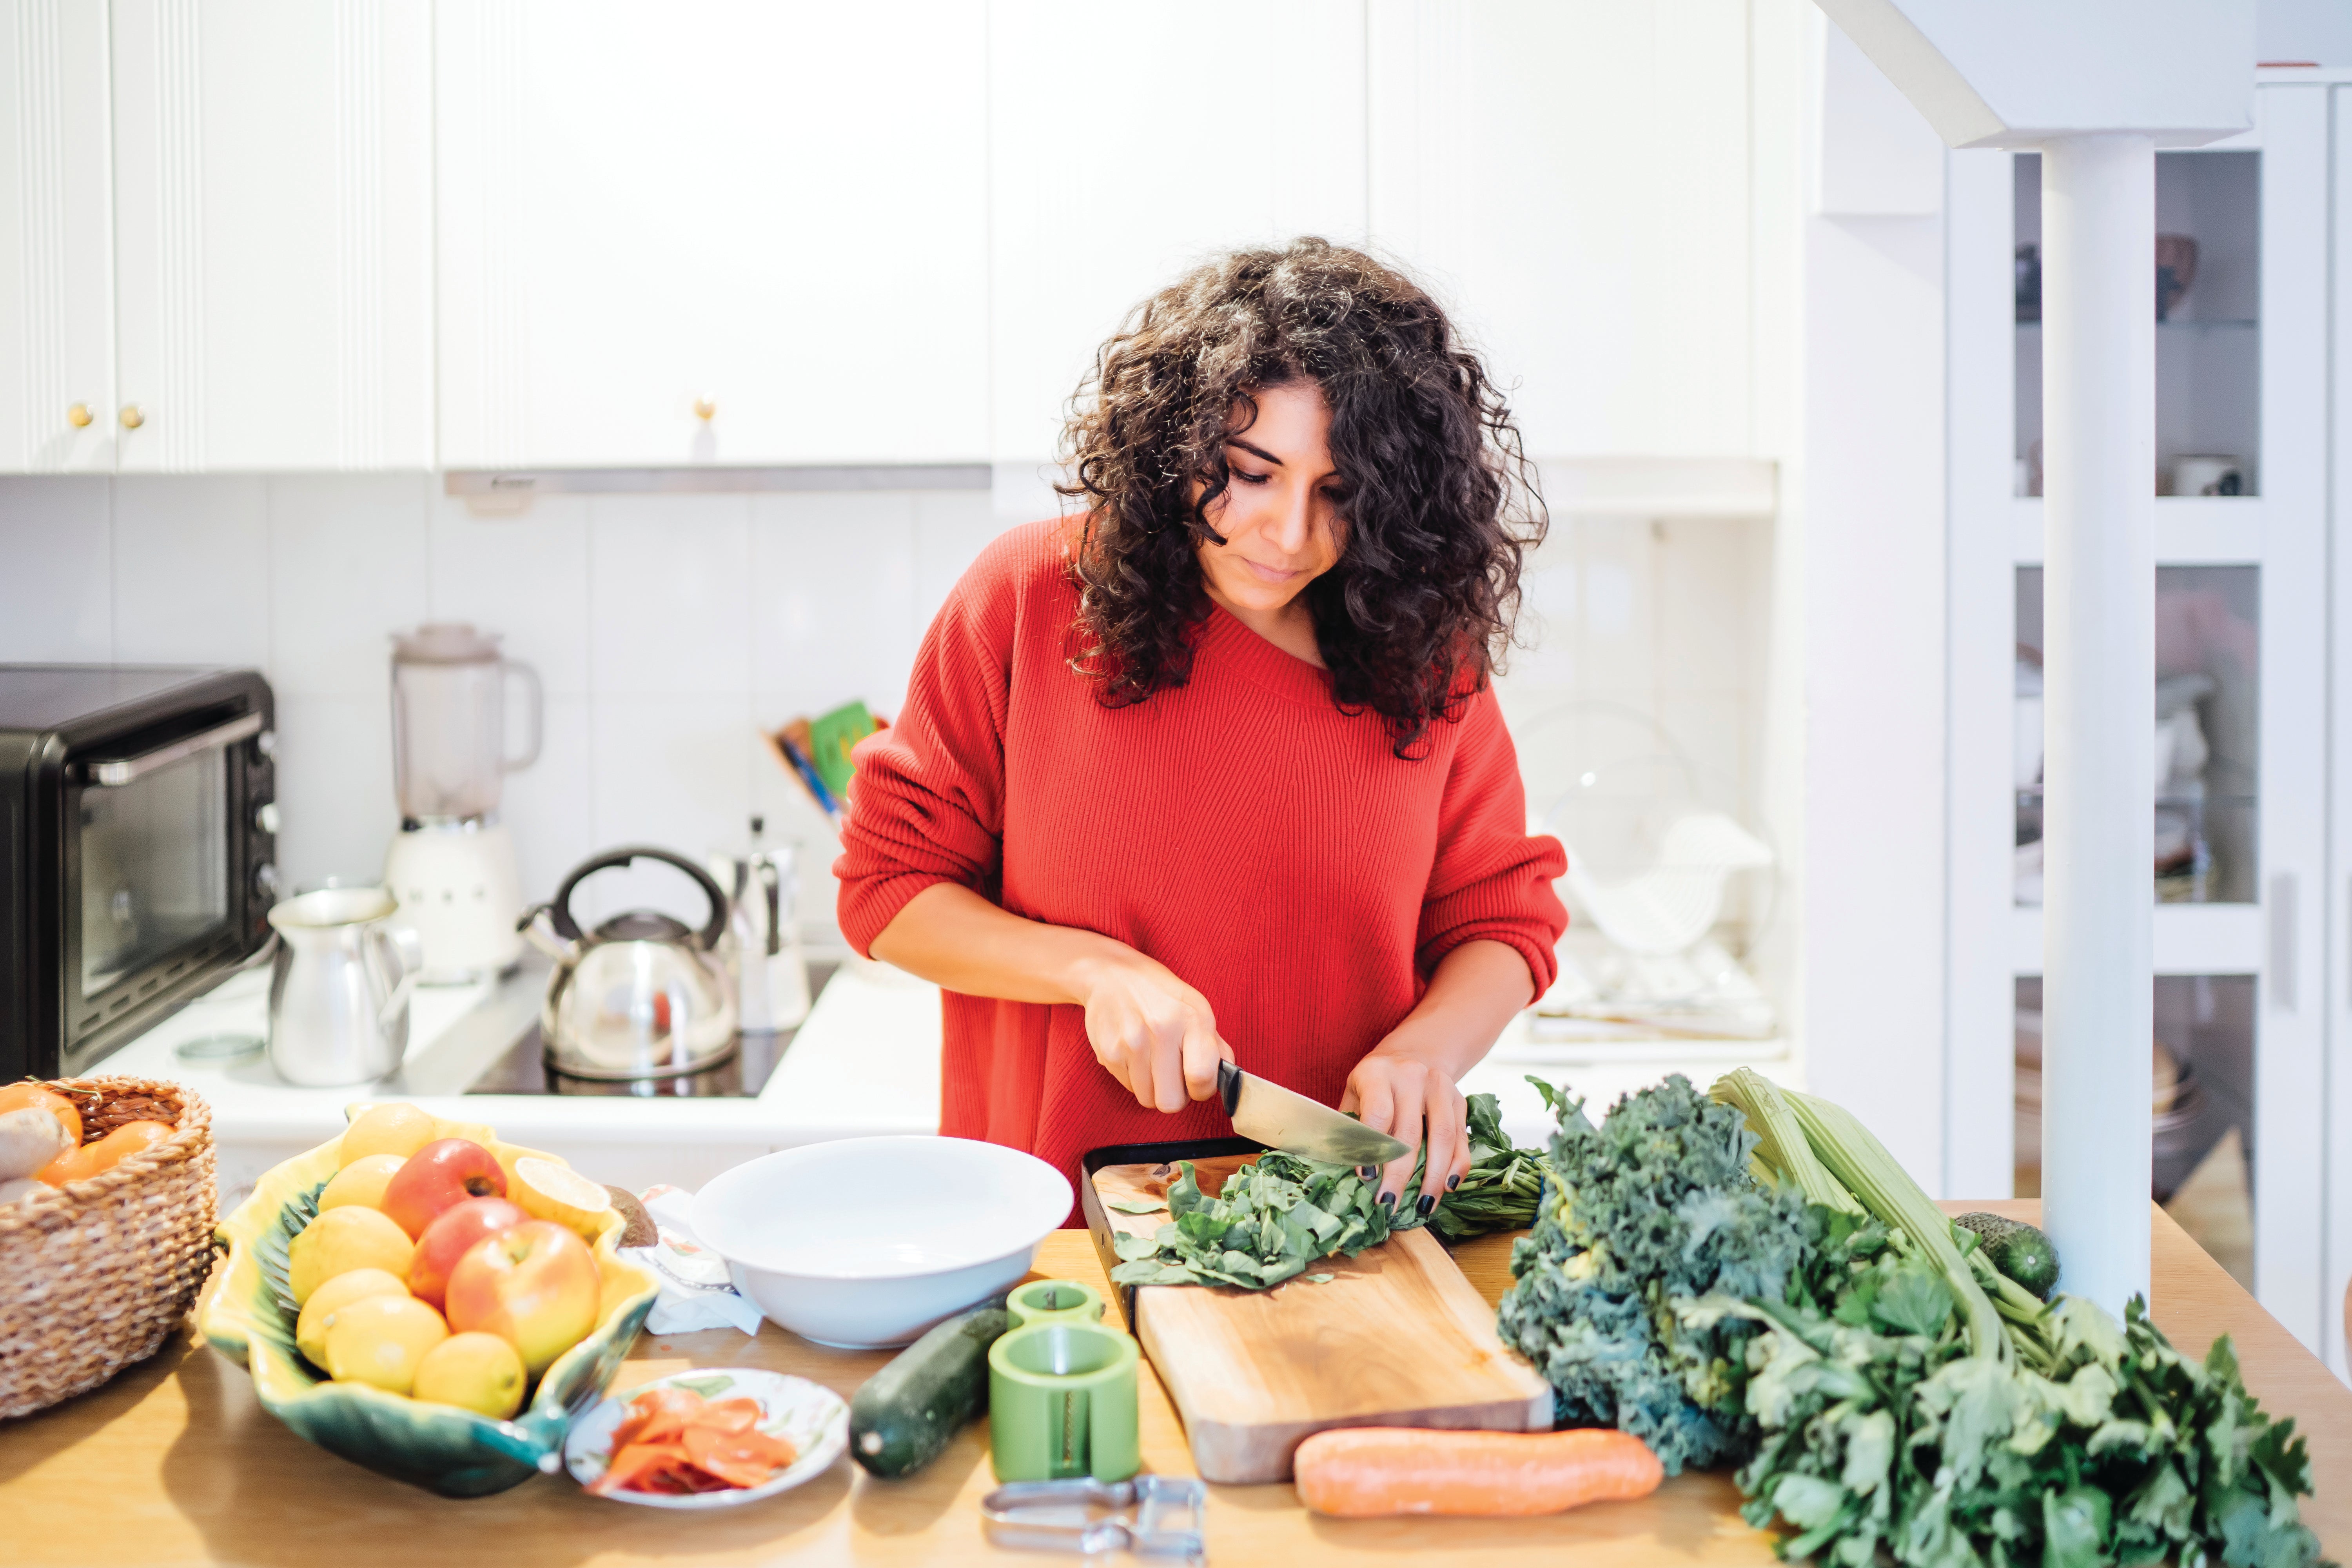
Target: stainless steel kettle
642 995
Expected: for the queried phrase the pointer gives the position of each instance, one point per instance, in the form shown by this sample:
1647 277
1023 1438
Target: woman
1216 769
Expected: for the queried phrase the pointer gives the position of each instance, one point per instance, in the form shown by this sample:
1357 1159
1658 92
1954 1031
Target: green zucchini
908 1413
2017 1249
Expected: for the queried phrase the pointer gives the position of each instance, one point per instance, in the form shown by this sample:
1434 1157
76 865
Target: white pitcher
339 988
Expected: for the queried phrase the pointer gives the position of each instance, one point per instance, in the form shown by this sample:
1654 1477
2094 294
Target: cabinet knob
705 409
132 418
79 416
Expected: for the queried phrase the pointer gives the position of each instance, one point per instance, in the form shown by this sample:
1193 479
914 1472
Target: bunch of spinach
1278 1215
1500 1190
1654 1204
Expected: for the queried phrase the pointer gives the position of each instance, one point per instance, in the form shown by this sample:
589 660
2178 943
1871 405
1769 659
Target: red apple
535 1287
441 1175
449 1237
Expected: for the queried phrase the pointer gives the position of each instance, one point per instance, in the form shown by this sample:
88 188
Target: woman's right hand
1153 1032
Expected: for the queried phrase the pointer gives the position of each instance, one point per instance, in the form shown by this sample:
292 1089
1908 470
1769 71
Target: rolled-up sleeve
1491 881
927 803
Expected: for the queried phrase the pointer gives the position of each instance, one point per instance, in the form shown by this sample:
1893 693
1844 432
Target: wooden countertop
175 1462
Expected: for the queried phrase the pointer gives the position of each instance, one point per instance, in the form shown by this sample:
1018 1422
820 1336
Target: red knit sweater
1267 848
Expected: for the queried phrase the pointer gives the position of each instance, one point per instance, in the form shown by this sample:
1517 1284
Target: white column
2098 368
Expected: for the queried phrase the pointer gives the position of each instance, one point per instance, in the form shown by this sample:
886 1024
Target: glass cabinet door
2201 1114
2207 734
2208 260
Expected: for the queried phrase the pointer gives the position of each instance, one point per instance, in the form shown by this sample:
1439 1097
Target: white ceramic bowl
866 1241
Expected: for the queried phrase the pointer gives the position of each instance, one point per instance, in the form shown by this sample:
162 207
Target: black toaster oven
138 832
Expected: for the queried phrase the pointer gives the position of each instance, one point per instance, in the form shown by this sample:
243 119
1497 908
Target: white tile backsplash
56 545
832 590
525 577
669 593
550 807
668 627
348 563
673 771
192 570
335 807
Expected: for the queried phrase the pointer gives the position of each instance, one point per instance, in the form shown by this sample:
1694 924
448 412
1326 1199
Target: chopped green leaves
1269 1222
1138 1205
1276 1216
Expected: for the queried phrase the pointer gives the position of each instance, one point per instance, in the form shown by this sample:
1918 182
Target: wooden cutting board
1397 1337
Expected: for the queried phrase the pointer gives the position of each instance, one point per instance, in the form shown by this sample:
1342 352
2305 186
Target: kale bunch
1654 1204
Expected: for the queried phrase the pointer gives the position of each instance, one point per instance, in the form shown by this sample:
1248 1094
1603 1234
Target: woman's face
1280 516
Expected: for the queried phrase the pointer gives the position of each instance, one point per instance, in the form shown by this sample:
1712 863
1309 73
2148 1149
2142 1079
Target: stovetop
496 1048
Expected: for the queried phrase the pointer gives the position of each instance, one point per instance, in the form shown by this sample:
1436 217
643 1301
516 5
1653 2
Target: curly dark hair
1439 500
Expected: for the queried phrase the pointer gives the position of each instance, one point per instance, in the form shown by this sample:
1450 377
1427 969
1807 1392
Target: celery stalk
1858 1160
1780 1142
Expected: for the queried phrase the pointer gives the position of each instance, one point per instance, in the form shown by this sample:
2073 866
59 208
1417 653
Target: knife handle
1229 1086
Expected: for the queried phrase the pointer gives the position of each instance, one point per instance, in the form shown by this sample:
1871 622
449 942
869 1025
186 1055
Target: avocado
2017 1249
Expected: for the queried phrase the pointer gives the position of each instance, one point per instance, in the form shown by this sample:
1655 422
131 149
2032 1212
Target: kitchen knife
1295 1124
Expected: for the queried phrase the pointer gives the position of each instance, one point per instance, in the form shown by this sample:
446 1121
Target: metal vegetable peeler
1152 1516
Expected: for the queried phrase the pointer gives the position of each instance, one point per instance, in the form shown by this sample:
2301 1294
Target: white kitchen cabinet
1581 180
735 233
1127 141
273 235
2242 585
57 244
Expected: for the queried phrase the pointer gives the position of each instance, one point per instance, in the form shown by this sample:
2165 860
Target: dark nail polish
1368 1171
1388 1200
1428 1201
1451 1182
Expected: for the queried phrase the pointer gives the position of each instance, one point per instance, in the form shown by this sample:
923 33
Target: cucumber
2017 1249
907 1414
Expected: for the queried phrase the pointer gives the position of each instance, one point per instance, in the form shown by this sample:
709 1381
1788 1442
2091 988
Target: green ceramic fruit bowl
249 1316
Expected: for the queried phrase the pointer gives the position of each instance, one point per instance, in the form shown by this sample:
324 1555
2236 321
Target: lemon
362 1182
476 1371
340 1240
381 1340
319 1311
394 1128
548 1191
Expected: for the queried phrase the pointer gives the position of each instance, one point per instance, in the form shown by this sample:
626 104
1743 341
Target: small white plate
810 1417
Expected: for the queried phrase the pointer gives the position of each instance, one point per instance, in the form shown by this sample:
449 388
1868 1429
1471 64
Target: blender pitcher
452 864
448 725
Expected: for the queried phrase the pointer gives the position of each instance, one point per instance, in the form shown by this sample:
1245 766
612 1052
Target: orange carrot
1369 1472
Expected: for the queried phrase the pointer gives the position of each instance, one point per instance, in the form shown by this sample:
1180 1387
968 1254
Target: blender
452 865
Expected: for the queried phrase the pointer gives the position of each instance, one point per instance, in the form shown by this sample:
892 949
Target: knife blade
1281 1119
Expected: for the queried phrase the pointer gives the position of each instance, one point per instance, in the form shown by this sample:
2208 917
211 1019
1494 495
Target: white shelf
2191 939
2190 530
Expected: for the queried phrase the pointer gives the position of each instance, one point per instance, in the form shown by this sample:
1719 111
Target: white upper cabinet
1126 140
56 248
273 234
734 233
1576 182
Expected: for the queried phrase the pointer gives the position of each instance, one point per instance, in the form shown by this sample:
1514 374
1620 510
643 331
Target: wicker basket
95 1274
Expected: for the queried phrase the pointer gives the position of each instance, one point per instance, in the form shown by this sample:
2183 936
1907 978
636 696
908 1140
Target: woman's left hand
1409 1094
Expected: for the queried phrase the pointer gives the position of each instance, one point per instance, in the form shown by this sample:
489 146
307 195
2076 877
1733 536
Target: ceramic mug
2209 476
1054 1300
1061 1403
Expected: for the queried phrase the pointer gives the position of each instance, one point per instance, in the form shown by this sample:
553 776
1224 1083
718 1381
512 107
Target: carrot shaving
674 1442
